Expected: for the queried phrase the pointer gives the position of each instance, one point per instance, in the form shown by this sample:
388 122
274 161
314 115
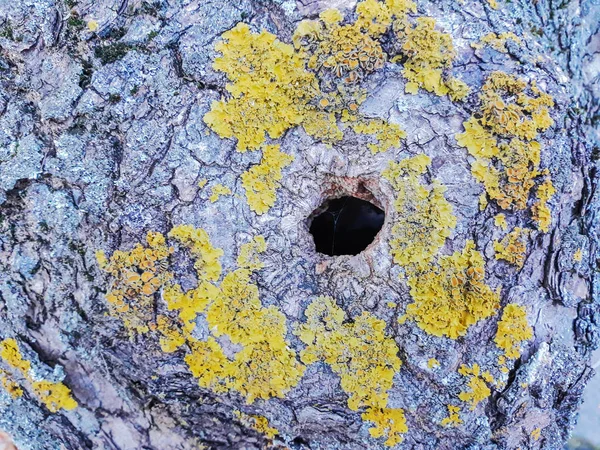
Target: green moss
108 54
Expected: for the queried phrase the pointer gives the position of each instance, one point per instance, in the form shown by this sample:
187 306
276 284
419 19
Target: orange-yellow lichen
451 295
453 418
423 218
55 396
258 423
536 433
477 385
264 366
137 275
513 247
261 181
507 159
513 329
364 358
578 255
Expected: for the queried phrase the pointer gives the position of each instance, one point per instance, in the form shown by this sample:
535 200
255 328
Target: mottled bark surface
102 139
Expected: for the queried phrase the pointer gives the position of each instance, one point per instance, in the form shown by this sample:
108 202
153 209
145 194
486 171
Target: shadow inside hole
345 226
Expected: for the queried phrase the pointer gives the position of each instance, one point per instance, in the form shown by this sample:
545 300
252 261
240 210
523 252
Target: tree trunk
111 128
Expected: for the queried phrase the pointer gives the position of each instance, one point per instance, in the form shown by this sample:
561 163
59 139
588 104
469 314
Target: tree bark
103 139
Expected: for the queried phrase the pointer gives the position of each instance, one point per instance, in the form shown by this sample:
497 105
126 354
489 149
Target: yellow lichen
137 275
536 433
513 247
92 26
513 329
507 159
258 423
498 41
424 217
453 418
578 255
540 211
433 363
264 366
364 358
262 180
269 87
500 221
55 396
493 4
249 257
217 191
477 385
385 134
202 183
428 53
452 295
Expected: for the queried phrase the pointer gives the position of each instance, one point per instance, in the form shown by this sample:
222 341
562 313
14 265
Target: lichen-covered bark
104 136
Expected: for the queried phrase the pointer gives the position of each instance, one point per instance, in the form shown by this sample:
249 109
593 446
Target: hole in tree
345 226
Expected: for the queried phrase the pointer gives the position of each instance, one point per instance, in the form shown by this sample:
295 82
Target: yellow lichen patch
258 423
92 26
206 256
509 110
500 221
423 218
202 183
433 363
500 138
10 353
477 387
364 358
493 4
453 418
217 191
385 134
428 53
498 41
172 336
249 257
536 433
540 211
266 366
513 329
452 295
347 52
262 180
578 255
55 396
388 422
513 247
10 386
137 274
269 88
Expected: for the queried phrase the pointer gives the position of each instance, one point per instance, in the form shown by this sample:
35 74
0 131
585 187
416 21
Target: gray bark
102 140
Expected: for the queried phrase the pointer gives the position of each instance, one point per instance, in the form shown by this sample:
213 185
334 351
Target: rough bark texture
102 139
